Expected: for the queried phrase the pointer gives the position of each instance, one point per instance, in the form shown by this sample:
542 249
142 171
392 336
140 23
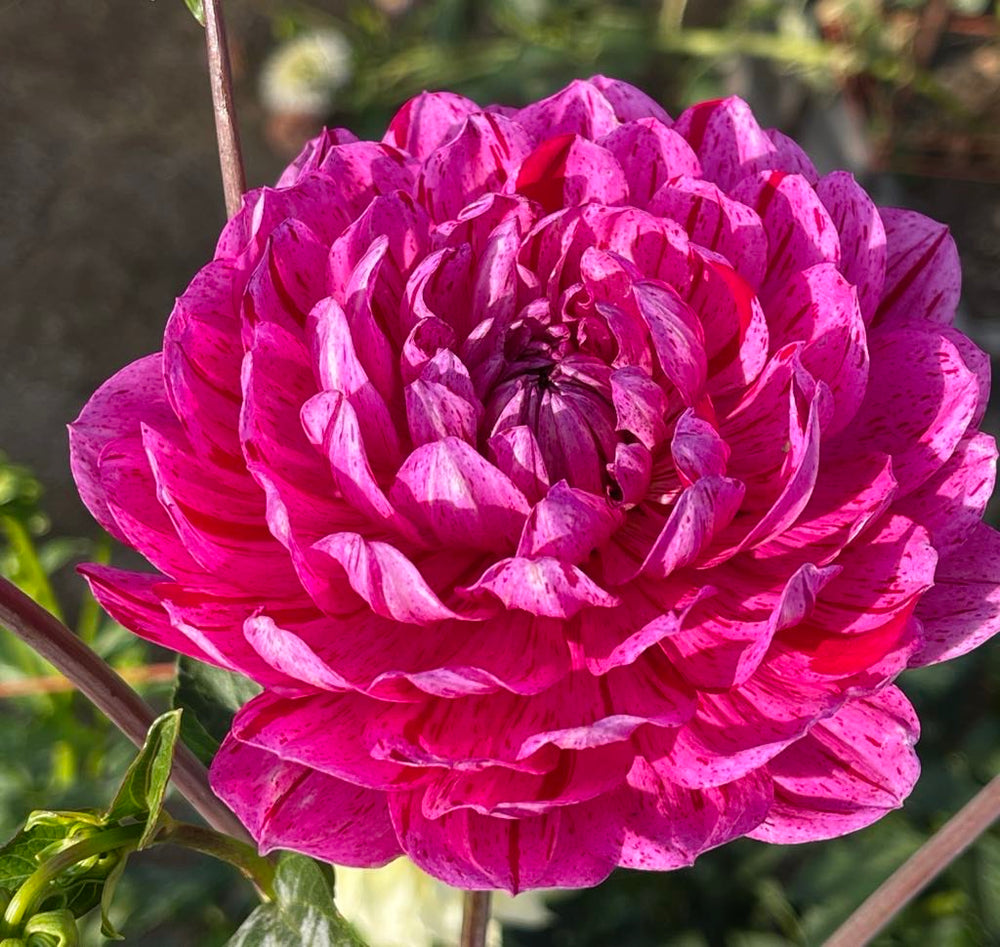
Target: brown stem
922 867
226 131
475 918
50 638
57 684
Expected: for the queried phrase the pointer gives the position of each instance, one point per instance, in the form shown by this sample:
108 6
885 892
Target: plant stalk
223 104
920 869
50 638
475 918
244 857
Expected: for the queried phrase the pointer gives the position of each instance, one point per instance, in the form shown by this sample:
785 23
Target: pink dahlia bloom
574 481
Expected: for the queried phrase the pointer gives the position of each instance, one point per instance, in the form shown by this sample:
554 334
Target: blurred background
111 201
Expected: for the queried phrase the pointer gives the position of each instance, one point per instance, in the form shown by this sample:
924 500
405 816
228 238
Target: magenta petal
567 847
130 598
848 771
923 278
290 655
737 339
516 453
640 405
718 647
389 582
453 495
568 524
442 403
951 503
360 172
650 154
426 121
862 237
701 513
963 609
341 371
439 288
221 522
880 578
698 449
579 109
289 279
669 826
818 306
285 805
631 471
920 400
135 394
726 137
577 776
311 729
799 229
844 502
677 337
567 171
313 153
628 102
482 156
544 586
717 223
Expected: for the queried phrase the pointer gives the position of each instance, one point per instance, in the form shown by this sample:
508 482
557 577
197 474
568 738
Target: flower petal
848 771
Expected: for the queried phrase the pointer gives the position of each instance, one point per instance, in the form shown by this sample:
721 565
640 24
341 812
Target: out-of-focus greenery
680 51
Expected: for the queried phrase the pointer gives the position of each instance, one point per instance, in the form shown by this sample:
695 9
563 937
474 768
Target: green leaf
209 697
44 835
302 913
23 854
107 895
197 9
141 793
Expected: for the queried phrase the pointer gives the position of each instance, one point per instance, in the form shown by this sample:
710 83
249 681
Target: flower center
564 398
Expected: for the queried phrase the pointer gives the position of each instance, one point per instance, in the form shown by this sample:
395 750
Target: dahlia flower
574 481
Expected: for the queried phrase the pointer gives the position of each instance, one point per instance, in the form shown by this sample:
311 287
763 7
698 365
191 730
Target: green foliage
302 913
197 8
50 838
145 784
45 834
209 696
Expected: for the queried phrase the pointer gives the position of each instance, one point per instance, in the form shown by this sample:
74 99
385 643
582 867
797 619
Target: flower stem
922 867
475 918
226 130
256 868
50 638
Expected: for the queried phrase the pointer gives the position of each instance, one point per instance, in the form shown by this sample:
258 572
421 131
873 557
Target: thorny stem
922 867
111 695
475 918
226 130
